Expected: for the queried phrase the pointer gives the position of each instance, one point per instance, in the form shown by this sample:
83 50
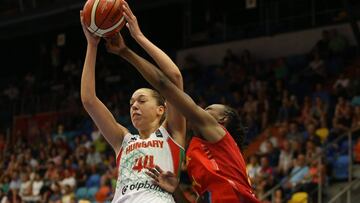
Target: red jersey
219 169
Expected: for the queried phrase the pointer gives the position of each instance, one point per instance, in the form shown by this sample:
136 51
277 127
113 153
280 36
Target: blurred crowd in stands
298 104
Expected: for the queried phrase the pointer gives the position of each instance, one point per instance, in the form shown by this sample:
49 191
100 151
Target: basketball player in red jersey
214 160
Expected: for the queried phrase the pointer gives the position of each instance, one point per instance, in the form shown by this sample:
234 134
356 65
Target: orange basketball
103 17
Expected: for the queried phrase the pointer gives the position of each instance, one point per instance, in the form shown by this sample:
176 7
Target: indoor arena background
290 67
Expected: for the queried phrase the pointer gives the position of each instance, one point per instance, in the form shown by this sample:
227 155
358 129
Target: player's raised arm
202 122
175 122
105 121
164 62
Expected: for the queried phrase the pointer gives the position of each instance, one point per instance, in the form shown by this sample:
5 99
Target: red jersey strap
177 154
118 158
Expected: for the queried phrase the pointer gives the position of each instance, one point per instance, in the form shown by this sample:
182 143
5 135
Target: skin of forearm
153 75
179 196
163 60
88 75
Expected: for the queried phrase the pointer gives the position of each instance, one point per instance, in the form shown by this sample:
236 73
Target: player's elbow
87 101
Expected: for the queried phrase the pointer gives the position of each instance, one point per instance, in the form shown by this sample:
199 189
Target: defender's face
216 111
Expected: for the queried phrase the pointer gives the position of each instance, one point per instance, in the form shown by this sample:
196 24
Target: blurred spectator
298 173
342 120
55 196
305 117
4 184
269 138
56 157
37 185
85 141
355 85
309 134
356 118
318 111
250 106
60 133
15 182
357 151
31 160
312 151
12 197
25 187
355 101
246 60
313 178
69 67
266 171
337 43
322 46
280 69
2 142
68 195
93 157
283 113
272 153
230 59
263 109
323 131
55 57
317 67
52 172
253 168
100 145
95 134
321 93
265 178
254 85
294 133
341 84
277 94
68 180
294 108
12 92
285 158
104 192
81 174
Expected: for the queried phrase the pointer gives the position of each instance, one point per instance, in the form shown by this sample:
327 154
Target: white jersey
135 155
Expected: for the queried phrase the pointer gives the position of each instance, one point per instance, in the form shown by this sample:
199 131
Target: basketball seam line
98 27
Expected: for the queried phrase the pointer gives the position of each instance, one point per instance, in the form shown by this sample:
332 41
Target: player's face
216 111
144 110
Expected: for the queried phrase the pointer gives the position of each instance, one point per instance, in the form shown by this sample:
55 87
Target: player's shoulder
130 138
161 132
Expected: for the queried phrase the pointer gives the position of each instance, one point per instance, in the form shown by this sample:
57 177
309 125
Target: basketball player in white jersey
158 143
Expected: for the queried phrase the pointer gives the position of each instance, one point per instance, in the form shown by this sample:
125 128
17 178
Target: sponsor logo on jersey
158 133
140 185
132 139
144 144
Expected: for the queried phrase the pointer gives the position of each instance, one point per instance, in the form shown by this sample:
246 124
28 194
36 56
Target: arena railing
271 192
346 189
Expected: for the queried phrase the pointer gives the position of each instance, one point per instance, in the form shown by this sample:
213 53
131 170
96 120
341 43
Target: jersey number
144 162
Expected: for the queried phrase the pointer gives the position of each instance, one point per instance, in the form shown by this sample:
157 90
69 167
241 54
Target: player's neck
145 133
